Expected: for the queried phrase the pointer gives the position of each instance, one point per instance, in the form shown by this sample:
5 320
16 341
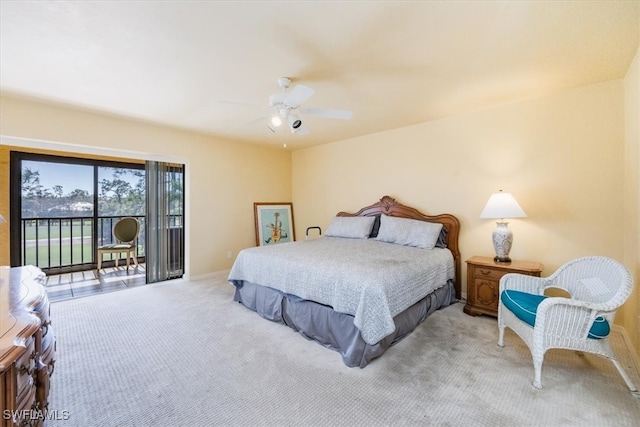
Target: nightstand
483 282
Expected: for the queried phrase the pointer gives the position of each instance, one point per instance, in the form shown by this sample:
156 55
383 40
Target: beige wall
631 314
561 156
223 179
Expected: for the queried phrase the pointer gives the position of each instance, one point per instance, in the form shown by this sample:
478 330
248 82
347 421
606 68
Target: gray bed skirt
332 329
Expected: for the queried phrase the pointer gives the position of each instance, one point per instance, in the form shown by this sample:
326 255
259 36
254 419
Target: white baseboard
222 274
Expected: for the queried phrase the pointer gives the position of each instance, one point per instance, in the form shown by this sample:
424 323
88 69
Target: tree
121 192
78 195
117 194
34 195
58 191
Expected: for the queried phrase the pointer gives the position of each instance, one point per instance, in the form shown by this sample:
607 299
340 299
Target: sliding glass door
120 193
56 214
63 208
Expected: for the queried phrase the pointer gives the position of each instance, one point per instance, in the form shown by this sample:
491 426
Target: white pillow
352 227
409 232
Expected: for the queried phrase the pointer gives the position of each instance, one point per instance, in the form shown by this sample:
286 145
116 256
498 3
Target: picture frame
273 223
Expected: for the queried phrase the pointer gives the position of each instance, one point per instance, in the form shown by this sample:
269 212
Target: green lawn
54 230
65 254
81 253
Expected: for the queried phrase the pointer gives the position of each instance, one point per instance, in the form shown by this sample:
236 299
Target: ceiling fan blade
250 122
223 101
298 95
331 114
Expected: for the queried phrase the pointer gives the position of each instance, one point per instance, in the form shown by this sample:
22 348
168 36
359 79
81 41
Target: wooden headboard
389 206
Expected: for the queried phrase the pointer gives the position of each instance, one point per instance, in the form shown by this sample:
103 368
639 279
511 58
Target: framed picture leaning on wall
274 223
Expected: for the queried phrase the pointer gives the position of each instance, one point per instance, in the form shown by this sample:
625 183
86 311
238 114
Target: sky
70 176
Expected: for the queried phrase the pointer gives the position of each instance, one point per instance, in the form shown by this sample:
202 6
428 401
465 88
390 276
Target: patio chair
125 233
597 287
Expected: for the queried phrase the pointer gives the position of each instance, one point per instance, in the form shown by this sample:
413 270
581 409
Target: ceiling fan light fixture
284 82
276 120
294 122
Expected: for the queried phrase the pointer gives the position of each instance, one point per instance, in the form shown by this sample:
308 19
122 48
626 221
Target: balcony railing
70 243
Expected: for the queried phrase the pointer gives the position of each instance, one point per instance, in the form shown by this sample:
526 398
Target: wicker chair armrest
602 307
569 317
523 283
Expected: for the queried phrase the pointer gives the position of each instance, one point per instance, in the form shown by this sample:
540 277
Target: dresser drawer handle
45 326
485 272
33 356
29 371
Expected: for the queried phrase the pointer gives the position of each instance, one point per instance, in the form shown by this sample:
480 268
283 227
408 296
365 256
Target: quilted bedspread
366 278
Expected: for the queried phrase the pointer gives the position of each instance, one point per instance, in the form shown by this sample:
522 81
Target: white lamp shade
502 205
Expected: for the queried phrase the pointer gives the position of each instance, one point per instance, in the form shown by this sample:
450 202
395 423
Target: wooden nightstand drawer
483 282
487 273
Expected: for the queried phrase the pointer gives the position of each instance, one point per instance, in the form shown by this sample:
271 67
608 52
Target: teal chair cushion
525 306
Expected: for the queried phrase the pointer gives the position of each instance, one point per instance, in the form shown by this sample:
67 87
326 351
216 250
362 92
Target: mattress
372 281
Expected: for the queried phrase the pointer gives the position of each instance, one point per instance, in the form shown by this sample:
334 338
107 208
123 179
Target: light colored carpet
184 354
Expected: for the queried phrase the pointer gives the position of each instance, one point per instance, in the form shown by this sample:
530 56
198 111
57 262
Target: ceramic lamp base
502 241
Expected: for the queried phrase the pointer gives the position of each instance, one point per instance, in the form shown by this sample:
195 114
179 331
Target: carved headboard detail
389 206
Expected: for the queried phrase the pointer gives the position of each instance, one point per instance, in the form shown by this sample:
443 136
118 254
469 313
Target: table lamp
500 206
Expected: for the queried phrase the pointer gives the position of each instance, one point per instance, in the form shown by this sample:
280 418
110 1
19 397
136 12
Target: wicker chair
597 287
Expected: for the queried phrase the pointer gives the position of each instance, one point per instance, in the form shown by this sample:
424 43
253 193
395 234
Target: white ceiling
393 63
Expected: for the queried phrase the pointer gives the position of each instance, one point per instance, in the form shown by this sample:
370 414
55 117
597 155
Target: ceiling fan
287 108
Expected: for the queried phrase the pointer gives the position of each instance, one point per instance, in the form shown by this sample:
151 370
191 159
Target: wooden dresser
483 282
27 347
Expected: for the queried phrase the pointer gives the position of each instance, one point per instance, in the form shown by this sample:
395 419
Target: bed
363 286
